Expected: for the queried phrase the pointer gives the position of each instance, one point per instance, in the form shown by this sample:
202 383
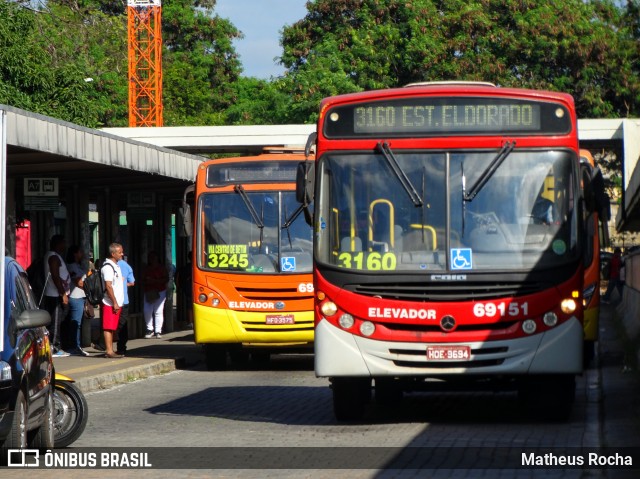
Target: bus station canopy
42 146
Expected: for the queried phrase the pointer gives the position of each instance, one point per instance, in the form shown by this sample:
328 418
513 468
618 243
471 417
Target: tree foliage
69 60
200 64
582 47
590 48
33 74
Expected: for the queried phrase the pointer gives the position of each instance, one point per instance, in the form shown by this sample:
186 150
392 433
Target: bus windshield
521 216
253 232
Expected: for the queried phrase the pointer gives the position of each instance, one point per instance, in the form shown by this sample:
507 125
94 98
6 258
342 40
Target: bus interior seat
488 238
345 244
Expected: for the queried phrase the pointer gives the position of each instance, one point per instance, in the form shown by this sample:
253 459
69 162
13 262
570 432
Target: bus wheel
238 356
215 356
388 392
548 397
350 395
260 358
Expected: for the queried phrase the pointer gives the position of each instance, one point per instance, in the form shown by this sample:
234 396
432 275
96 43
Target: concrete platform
144 358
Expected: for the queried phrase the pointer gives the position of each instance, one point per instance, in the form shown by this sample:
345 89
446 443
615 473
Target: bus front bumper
218 325
556 351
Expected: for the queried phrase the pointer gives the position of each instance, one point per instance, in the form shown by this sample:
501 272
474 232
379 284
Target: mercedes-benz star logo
448 323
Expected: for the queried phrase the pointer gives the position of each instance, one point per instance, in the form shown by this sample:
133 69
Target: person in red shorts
113 298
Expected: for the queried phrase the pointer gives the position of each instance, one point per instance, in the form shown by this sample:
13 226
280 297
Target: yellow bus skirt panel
591 323
219 325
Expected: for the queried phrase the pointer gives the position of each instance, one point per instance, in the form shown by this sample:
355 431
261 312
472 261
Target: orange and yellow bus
252 259
591 295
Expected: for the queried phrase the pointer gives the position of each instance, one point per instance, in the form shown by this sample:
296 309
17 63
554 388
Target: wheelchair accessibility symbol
288 263
461 258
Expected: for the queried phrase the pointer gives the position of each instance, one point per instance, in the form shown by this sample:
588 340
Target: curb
123 376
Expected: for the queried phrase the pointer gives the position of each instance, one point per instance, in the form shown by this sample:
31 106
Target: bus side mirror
305 182
596 197
184 214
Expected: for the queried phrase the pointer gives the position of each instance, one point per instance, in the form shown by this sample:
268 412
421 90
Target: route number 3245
490 310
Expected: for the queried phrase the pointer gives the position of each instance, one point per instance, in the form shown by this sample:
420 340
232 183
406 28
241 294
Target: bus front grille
447 291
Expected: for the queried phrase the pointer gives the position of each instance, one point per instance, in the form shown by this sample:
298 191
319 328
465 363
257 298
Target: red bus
448 243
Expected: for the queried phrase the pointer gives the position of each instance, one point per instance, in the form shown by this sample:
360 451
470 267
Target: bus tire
260 359
548 397
350 395
388 392
215 357
239 357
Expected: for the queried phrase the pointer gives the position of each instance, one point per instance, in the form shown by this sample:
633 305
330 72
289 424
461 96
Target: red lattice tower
145 62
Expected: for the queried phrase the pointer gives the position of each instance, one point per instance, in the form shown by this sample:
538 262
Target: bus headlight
568 306
587 294
202 297
346 321
329 308
367 328
529 326
550 319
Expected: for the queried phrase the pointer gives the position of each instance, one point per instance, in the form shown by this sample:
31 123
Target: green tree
200 64
81 36
30 76
259 102
577 46
69 60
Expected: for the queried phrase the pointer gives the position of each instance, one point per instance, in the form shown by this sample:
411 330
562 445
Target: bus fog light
215 302
529 326
568 306
346 321
550 319
329 308
202 297
367 328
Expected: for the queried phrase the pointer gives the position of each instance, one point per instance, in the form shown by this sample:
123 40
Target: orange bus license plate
280 319
448 353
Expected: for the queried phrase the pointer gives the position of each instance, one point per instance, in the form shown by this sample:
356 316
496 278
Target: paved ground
144 358
608 412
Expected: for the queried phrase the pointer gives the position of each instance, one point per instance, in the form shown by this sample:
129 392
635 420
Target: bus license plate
280 319
448 353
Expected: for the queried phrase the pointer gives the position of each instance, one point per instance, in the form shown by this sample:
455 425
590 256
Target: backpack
37 279
94 286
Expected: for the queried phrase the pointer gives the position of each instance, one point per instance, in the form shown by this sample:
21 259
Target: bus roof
448 88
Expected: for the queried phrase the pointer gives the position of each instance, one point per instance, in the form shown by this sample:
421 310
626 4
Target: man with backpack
56 290
113 300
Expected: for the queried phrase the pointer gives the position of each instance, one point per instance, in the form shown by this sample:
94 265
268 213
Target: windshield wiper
289 221
252 211
400 174
489 171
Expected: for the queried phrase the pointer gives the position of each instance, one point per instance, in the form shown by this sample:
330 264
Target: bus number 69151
481 310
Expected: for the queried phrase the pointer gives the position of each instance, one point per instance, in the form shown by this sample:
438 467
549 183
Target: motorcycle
70 411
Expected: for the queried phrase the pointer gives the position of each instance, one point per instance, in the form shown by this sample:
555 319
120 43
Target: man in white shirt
113 297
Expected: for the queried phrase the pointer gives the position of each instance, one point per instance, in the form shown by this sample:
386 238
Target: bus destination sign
251 172
446 115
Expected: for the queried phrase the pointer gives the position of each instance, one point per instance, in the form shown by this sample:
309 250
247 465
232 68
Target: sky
261 22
